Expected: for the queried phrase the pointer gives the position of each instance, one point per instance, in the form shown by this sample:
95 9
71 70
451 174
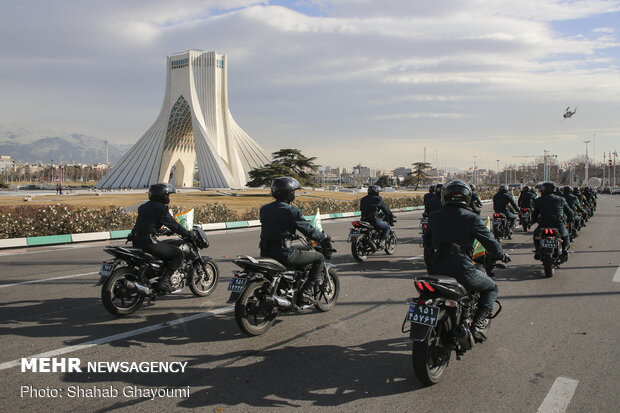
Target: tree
286 162
418 175
384 181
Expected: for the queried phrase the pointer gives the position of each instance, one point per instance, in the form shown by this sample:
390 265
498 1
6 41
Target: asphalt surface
554 344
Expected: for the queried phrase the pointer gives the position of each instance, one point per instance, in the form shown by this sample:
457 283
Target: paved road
556 341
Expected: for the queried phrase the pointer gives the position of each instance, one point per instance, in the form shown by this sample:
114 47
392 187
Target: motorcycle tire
358 248
497 236
328 294
117 297
525 227
204 284
390 244
248 314
548 265
423 356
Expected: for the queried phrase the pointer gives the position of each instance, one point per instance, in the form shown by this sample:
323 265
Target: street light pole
587 161
498 172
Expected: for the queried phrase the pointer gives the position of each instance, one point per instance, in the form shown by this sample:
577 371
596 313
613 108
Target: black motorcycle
525 219
549 245
366 240
441 319
423 228
265 287
501 227
133 274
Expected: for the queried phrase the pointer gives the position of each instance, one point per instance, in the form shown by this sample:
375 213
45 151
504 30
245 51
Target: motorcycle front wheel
118 297
428 362
358 248
328 292
250 317
390 244
203 284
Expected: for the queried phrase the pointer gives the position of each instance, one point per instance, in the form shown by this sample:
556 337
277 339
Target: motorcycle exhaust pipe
279 302
463 336
137 286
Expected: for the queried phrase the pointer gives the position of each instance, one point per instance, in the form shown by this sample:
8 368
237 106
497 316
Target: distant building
6 163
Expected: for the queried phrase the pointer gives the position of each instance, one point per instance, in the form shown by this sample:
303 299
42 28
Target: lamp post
498 172
614 172
587 161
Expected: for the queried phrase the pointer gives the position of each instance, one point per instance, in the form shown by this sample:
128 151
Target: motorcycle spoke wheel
328 293
429 359
390 244
249 315
117 297
358 248
203 284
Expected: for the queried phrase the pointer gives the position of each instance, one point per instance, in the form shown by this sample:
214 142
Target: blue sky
347 81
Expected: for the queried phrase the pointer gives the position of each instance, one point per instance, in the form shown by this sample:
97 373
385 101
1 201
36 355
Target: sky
348 81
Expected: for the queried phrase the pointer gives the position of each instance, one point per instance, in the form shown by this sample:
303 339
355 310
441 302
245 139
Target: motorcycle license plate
423 314
236 284
497 222
353 234
548 243
106 269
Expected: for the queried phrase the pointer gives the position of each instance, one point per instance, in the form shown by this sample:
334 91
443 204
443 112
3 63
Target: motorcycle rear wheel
326 300
548 265
423 355
204 284
248 314
117 297
390 244
358 248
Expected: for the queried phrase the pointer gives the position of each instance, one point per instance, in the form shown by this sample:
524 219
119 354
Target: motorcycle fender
418 332
102 279
233 297
329 266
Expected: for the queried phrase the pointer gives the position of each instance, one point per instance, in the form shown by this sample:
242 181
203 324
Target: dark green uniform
501 201
448 245
370 205
549 210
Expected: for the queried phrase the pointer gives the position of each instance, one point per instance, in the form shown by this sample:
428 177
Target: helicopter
568 114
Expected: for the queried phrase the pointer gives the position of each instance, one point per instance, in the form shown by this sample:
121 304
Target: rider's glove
506 258
326 244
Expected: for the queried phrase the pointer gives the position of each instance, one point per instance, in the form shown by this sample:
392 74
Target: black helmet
472 187
567 189
547 188
431 189
374 190
576 190
526 188
503 188
161 192
283 188
456 193
438 189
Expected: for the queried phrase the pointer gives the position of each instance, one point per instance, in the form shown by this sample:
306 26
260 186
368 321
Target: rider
448 249
526 198
548 212
433 204
501 200
475 205
430 194
370 205
279 221
573 203
152 215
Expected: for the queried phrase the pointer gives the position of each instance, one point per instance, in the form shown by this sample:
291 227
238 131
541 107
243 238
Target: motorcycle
549 244
366 240
133 274
525 219
500 227
265 288
423 227
441 318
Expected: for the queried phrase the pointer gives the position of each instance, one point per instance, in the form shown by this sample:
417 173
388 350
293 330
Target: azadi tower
194 127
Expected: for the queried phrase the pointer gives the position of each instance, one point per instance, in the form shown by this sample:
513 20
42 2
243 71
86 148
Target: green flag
479 250
186 219
316 221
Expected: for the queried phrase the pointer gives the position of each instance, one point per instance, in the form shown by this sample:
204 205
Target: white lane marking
109 339
616 278
559 396
417 257
48 279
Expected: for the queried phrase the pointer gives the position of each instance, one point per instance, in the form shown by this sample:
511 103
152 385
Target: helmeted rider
526 198
448 248
434 203
370 205
501 202
279 222
549 210
573 203
475 205
430 194
152 215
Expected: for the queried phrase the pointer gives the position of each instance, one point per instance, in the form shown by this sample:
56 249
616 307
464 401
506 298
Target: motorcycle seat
445 280
260 263
137 251
365 224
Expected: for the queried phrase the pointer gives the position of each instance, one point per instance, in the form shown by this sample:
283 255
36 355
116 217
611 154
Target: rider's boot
306 295
478 326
